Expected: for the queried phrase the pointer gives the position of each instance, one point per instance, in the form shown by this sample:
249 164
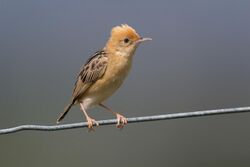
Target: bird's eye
126 40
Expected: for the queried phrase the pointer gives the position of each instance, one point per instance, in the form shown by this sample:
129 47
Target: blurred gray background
198 59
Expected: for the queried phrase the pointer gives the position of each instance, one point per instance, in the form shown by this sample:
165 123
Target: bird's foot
121 121
91 122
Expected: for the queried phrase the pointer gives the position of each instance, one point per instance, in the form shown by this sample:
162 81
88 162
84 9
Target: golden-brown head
124 40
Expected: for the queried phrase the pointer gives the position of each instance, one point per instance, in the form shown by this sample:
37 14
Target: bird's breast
117 70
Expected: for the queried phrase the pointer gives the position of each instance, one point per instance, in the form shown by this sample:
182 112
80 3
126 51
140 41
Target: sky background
198 60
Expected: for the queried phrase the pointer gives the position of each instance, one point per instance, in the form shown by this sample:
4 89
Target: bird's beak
144 39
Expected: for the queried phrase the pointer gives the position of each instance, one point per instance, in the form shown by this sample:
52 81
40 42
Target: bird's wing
93 70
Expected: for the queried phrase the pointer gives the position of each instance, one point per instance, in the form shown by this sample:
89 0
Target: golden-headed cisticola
104 73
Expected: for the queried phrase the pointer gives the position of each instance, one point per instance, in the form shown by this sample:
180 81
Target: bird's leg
90 120
121 120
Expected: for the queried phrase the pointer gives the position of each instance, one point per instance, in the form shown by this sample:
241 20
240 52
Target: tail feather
67 108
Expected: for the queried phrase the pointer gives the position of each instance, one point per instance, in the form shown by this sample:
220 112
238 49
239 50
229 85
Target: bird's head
124 40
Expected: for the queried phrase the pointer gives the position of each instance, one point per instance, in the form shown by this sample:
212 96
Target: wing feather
93 70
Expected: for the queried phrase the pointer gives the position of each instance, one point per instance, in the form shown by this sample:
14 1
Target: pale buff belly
106 86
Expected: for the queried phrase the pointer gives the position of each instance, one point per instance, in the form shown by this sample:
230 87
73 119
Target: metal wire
130 120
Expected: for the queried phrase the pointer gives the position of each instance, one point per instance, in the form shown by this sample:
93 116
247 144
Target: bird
104 72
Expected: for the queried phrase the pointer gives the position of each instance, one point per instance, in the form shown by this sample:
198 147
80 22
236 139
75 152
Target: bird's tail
66 110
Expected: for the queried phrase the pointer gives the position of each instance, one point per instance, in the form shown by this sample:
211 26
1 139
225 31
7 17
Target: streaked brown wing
93 70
